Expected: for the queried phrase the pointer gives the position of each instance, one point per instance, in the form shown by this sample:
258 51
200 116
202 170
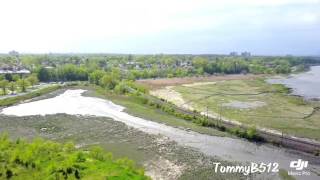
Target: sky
263 27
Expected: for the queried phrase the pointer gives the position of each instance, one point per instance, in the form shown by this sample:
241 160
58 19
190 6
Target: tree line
16 83
64 67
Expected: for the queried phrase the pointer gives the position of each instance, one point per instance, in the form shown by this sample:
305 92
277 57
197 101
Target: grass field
254 102
134 107
15 99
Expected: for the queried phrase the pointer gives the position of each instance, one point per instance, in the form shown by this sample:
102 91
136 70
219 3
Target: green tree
3 86
23 84
15 77
108 81
95 76
116 73
44 75
12 87
33 80
8 77
200 62
122 88
282 69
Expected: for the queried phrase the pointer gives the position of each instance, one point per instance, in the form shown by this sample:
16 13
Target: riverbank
240 103
161 157
134 107
224 148
305 84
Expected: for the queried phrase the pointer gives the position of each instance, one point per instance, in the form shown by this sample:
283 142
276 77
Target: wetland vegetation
42 159
114 77
272 106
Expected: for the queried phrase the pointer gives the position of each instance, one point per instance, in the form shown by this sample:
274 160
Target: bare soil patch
244 105
172 96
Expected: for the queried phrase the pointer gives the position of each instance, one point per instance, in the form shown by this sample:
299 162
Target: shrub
122 88
251 133
50 160
12 100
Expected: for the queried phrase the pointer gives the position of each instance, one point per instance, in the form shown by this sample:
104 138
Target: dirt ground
162 158
172 96
160 83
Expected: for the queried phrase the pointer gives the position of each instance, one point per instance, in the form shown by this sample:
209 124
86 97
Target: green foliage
251 133
95 76
128 86
44 74
33 79
12 100
71 72
65 67
122 88
3 86
23 84
108 81
197 118
199 62
282 69
280 88
12 87
8 77
67 72
15 77
283 174
43 159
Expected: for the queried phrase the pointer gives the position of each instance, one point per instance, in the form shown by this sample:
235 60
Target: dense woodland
115 71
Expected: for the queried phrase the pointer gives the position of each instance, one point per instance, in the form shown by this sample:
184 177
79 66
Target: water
304 84
72 102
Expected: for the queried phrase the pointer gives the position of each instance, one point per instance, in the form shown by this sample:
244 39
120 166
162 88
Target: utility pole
207 112
281 137
220 111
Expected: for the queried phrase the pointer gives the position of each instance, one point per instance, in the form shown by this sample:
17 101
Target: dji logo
298 165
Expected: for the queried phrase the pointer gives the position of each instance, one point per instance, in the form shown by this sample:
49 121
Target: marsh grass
283 112
43 159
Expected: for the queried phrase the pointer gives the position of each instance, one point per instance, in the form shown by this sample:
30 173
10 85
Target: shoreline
271 136
293 90
258 151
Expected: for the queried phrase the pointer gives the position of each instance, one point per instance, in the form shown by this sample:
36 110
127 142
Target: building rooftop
22 71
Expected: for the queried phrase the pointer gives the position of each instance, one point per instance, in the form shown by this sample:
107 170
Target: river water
304 84
235 150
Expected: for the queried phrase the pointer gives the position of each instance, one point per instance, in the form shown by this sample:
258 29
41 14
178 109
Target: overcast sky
275 27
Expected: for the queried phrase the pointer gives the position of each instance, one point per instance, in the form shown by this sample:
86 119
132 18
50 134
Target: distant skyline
264 27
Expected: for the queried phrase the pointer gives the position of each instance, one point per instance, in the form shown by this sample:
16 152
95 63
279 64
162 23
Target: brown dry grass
162 82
